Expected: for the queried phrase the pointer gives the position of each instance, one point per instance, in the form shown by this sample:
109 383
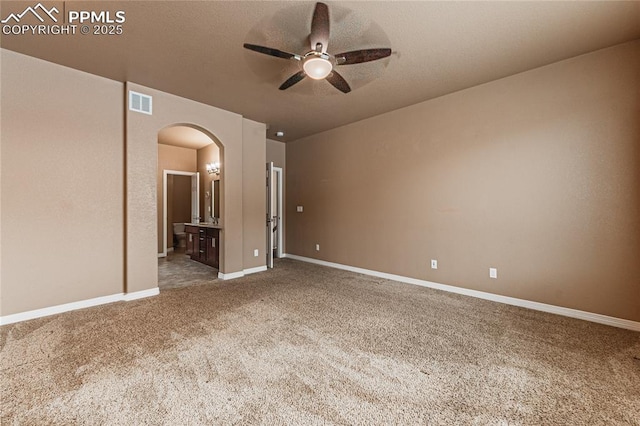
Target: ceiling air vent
139 102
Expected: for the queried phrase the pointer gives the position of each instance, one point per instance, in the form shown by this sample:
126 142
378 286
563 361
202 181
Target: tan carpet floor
306 344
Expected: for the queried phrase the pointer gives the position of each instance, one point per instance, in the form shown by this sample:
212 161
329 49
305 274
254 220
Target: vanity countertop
205 225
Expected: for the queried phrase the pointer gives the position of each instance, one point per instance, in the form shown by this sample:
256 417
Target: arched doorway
187 152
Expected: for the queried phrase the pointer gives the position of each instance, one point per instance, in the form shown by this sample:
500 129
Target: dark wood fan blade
293 80
359 56
269 51
338 82
320 27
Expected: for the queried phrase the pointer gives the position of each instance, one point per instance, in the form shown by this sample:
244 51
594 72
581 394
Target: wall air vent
139 102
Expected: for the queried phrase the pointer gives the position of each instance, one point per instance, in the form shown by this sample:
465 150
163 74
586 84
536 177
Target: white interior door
276 198
195 198
270 221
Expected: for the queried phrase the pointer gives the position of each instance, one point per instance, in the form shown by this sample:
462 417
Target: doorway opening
190 196
169 197
274 214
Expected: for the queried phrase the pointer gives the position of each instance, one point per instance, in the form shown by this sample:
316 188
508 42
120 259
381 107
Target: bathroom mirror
215 198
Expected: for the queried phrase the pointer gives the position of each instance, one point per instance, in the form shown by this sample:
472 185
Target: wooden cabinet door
203 245
201 253
190 242
196 247
212 249
191 236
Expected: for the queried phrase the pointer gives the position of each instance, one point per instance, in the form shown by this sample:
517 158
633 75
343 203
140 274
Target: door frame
165 173
274 179
279 180
269 216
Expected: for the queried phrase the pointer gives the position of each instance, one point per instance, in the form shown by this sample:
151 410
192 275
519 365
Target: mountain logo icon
34 11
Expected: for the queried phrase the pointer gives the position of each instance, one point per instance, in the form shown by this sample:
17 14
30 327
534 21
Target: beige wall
171 158
142 130
254 193
536 174
69 182
62 183
208 154
1 69
276 153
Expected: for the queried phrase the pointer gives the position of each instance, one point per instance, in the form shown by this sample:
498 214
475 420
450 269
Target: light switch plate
493 273
299 209
434 264
317 247
256 253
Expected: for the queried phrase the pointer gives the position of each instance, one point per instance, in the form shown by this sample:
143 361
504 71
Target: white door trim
269 223
278 172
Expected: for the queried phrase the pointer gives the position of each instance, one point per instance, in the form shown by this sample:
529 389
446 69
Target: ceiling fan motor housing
318 64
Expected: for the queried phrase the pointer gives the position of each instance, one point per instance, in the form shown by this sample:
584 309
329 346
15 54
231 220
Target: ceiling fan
317 63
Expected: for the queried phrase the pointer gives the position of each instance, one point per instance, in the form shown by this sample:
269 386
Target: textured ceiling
194 49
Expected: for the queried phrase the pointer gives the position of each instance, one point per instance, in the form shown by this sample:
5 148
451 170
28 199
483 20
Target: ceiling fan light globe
317 68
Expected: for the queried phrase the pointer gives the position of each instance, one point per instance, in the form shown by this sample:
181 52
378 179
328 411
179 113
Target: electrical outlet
256 253
493 273
299 209
317 247
434 264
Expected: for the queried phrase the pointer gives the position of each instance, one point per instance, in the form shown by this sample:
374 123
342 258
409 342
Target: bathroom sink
209 224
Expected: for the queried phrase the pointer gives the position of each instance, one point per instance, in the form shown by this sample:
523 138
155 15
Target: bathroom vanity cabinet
203 243
191 233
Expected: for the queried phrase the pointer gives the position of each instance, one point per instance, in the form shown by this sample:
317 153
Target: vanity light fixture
213 168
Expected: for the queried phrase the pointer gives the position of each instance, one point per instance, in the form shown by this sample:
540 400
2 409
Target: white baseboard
255 270
230 275
558 310
240 274
58 309
128 297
